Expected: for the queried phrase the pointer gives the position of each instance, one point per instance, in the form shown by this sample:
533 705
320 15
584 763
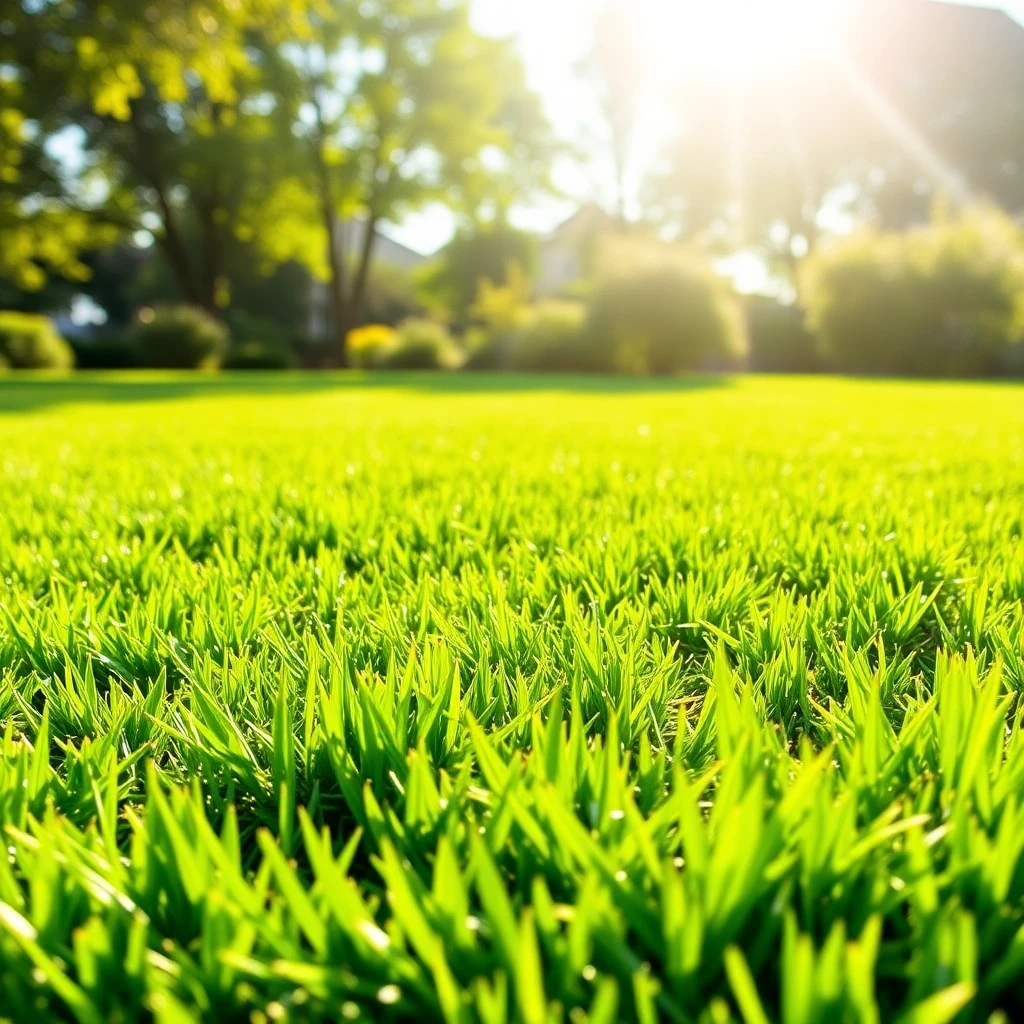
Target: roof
386 249
590 217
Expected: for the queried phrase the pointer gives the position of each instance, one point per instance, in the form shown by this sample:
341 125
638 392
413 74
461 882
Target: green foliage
493 253
180 338
265 304
422 344
943 300
549 338
259 355
656 310
169 106
648 700
39 235
247 327
422 109
369 346
546 335
31 342
498 315
779 339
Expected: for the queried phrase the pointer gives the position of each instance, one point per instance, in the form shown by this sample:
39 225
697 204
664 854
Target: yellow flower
368 345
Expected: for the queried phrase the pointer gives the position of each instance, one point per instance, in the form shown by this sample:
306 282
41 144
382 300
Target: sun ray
929 160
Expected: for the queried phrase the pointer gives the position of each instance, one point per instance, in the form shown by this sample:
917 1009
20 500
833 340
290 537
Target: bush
423 345
661 311
368 347
31 342
258 343
941 300
499 314
494 253
259 355
180 338
778 336
551 338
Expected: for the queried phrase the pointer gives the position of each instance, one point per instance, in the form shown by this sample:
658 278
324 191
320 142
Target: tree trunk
213 259
336 284
148 163
619 170
209 209
177 255
358 295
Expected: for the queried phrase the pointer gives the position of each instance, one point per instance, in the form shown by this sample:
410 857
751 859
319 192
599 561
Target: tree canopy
269 124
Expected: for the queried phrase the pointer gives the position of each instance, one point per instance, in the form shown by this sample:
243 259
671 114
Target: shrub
368 347
423 345
551 337
940 300
661 311
259 343
259 355
499 315
180 338
29 341
778 336
494 253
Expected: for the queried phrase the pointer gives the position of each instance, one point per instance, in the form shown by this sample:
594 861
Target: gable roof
386 249
589 218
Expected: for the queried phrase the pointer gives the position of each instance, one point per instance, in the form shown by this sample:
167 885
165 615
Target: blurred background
626 186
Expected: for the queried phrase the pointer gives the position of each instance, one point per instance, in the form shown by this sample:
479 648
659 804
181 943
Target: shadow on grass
29 392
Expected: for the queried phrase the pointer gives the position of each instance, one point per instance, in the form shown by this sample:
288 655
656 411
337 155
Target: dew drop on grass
389 994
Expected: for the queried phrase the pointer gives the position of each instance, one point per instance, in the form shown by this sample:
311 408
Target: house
566 254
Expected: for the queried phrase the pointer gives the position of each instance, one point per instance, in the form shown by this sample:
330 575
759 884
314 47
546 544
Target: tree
614 65
756 152
403 103
487 252
38 235
170 126
761 149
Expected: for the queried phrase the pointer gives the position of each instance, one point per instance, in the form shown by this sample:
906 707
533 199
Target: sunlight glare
736 34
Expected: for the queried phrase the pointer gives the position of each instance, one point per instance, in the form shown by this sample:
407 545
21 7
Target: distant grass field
511 699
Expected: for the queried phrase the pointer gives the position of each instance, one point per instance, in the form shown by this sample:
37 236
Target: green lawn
455 698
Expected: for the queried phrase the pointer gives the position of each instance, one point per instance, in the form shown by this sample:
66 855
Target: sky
552 35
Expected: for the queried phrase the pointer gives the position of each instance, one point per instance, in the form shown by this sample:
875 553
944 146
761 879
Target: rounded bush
258 344
368 347
29 341
259 355
663 314
944 300
551 338
779 339
423 345
180 338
